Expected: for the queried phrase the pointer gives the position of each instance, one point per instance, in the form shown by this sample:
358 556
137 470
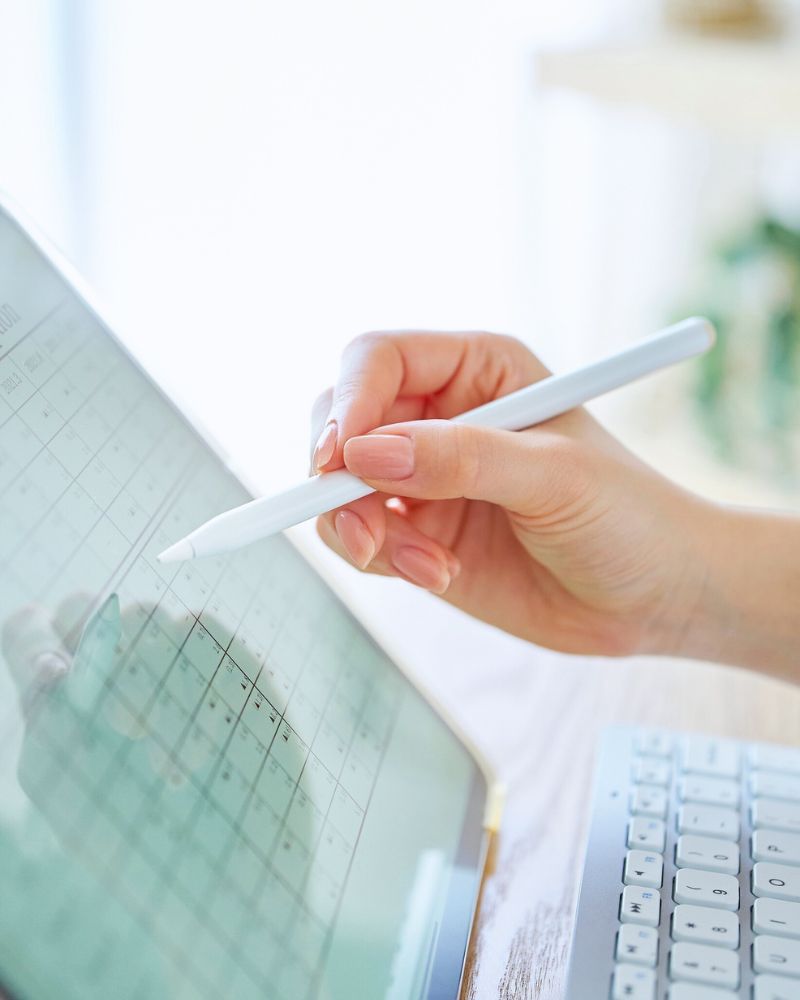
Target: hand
556 534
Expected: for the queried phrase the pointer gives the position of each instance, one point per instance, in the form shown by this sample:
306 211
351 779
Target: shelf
745 88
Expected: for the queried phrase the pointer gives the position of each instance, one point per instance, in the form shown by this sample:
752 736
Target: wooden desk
537 715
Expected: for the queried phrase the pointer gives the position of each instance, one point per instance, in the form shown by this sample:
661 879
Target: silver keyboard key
701 963
776 881
769 784
638 945
705 925
640 906
776 916
706 889
655 743
649 800
644 868
709 791
709 821
766 757
652 771
632 982
775 988
691 991
776 845
776 815
712 854
647 834
774 954
704 755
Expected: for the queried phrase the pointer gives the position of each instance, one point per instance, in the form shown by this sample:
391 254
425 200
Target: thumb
528 472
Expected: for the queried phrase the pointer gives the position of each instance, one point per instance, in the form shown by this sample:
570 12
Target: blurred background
248 187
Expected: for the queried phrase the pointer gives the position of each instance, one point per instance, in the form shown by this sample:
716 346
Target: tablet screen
212 781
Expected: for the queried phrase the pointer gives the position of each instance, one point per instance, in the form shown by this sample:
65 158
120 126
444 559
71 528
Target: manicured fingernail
326 446
453 565
356 538
422 568
380 456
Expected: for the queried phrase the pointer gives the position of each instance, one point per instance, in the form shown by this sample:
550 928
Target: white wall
250 188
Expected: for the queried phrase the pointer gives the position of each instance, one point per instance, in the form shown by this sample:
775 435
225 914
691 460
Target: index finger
437 374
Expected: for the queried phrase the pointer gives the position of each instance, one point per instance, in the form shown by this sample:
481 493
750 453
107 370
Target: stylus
532 405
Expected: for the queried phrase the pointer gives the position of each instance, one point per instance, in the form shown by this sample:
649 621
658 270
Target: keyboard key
709 853
700 963
776 814
775 845
774 954
710 821
705 925
776 916
655 743
706 889
640 906
652 771
649 800
638 945
775 988
643 868
717 758
766 757
768 784
776 881
632 982
690 991
709 791
647 834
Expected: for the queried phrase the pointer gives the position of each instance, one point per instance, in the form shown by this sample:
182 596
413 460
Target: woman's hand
557 534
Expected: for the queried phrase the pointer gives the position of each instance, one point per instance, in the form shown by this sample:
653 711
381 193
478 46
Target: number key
700 963
706 889
709 853
705 925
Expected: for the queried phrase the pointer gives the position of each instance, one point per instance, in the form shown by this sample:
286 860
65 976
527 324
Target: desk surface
547 731
538 715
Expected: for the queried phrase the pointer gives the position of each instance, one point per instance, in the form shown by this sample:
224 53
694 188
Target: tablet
213 781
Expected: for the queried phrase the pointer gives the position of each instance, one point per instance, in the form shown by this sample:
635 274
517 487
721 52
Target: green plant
748 390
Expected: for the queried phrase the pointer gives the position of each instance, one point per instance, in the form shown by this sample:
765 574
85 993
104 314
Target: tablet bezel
452 943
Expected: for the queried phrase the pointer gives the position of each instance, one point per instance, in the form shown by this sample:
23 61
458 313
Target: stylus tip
179 552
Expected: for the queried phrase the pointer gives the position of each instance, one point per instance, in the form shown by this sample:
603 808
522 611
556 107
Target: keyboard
691 881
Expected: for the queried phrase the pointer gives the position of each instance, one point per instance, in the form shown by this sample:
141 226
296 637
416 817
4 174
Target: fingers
529 473
441 374
405 551
403 409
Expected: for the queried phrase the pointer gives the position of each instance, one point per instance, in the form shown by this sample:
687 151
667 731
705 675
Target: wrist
743 607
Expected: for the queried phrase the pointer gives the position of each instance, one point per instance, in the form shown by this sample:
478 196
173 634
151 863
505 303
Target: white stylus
516 411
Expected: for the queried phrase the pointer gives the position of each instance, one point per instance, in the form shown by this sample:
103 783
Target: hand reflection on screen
102 727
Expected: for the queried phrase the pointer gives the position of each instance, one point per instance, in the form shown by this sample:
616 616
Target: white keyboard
691 882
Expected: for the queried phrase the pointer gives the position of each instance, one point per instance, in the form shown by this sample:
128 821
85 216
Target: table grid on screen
217 783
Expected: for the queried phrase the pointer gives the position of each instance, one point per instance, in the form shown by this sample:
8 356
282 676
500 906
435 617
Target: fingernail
453 565
326 446
422 568
380 456
356 538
